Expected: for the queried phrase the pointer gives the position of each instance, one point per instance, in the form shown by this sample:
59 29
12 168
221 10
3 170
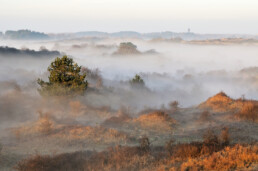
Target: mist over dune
146 96
183 70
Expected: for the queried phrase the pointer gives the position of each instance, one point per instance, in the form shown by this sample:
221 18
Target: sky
201 16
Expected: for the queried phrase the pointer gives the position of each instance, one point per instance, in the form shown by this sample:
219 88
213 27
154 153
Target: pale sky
202 16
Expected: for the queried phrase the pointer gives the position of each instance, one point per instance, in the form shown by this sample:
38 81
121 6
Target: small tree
65 78
127 48
145 144
174 106
137 81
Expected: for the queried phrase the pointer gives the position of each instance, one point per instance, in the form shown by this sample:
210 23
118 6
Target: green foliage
128 45
127 48
137 81
65 79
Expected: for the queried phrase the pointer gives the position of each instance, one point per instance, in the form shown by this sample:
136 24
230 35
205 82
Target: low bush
231 158
249 111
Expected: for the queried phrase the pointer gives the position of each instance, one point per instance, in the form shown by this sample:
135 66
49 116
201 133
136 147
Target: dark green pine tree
137 81
65 79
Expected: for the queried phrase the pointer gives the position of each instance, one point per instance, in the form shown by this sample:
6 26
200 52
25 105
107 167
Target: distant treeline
32 35
8 51
153 35
23 35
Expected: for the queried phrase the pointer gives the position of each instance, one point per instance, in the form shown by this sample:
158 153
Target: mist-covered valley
188 88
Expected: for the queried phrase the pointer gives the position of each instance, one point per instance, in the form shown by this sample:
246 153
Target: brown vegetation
155 121
211 154
71 161
224 41
205 116
174 106
243 109
116 158
117 120
127 48
68 134
218 103
248 111
231 158
44 126
91 134
207 155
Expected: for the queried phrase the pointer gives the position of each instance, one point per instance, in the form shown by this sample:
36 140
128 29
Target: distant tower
189 30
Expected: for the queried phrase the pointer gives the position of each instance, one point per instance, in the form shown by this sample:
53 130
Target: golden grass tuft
248 111
243 109
44 126
91 134
231 158
156 121
218 103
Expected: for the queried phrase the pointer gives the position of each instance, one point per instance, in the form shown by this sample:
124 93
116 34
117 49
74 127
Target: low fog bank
183 72
177 78
186 73
20 100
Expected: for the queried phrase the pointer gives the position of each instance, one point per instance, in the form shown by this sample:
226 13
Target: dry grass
117 120
77 108
237 157
248 111
45 127
231 158
244 109
218 103
92 134
155 121
115 158
120 158
71 161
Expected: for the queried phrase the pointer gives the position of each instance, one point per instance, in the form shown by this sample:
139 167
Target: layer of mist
178 76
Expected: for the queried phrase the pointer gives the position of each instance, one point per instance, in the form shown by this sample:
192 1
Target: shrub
145 144
248 111
184 151
119 158
64 79
94 77
174 105
137 81
224 136
115 159
211 143
231 158
127 48
67 161
210 138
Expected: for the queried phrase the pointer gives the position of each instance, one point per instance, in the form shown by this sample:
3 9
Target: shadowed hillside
8 51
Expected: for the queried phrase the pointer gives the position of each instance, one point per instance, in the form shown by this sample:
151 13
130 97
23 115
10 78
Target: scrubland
176 118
